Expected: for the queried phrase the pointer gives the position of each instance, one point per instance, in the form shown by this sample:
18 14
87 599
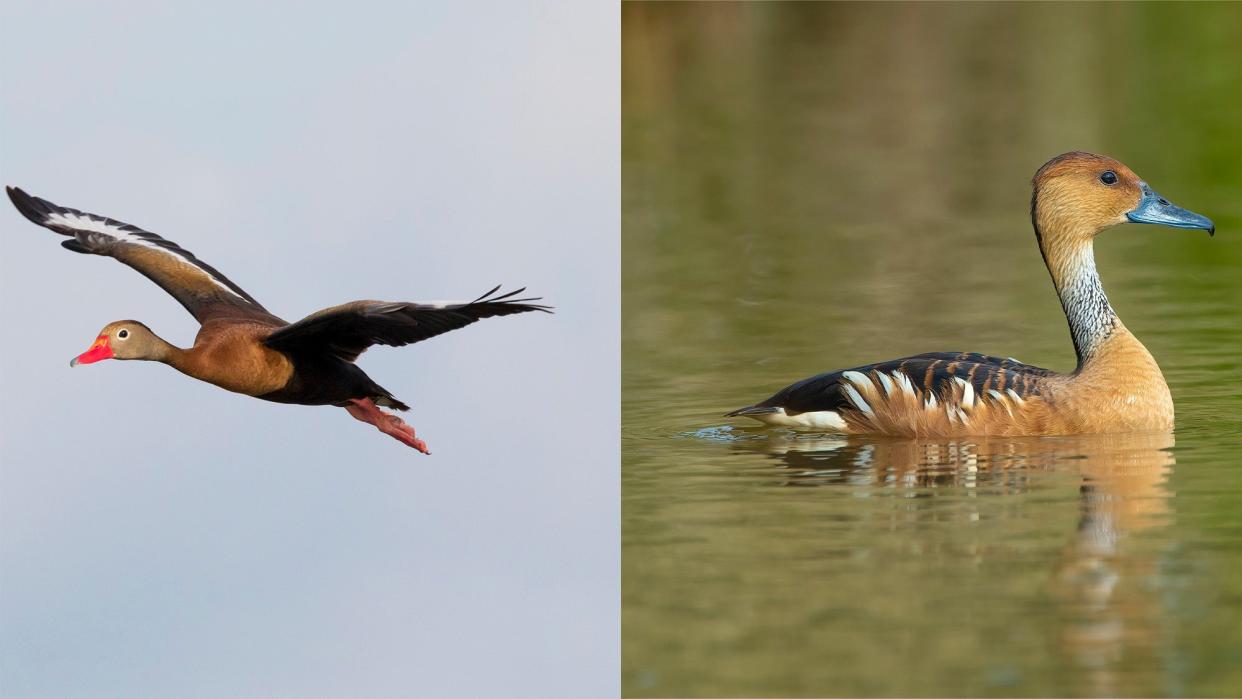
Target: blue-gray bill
1154 208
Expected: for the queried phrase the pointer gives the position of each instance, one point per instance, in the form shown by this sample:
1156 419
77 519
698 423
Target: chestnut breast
1120 389
232 356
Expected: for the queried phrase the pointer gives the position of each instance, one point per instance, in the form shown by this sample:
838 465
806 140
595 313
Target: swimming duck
1116 387
242 347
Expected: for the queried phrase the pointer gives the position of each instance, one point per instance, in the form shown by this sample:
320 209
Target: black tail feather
752 410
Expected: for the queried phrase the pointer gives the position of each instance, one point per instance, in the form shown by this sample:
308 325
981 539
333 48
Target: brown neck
166 353
1071 262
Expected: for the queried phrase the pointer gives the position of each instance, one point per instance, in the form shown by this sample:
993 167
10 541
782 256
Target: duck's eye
1109 177
122 334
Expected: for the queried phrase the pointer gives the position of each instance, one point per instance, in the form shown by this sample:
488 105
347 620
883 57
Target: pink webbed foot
367 411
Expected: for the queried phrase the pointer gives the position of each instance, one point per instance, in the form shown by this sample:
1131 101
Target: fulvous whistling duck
241 347
1117 386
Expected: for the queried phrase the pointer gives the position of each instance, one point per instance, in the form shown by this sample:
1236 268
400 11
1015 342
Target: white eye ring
122 334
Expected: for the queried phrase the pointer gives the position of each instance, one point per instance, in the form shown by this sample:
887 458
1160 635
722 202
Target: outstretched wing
203 291
349 329
930 373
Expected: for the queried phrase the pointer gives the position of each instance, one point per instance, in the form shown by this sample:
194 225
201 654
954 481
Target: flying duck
1116 387
241 346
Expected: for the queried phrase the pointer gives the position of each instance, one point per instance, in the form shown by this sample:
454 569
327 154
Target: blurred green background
811 187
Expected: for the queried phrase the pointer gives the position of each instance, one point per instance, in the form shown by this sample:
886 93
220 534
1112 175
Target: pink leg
366 410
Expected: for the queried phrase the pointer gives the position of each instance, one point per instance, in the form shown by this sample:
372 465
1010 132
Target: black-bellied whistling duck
1117 386
242 347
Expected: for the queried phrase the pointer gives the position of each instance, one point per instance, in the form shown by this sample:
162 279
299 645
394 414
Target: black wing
204 291
933 371
349 329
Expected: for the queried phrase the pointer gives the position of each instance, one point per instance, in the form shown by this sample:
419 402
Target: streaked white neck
1091 318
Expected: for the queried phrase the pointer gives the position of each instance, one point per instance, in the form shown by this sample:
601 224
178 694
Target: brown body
1119 390
244 348
1116 387
233 357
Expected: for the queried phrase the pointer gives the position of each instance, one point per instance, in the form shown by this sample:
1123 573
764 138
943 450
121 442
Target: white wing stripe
857 399
904 380
886 382
968 392
94 225
859 379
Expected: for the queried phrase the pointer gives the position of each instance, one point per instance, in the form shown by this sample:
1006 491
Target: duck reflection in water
1099 587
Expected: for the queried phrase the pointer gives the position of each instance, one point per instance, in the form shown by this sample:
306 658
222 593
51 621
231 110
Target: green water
813 187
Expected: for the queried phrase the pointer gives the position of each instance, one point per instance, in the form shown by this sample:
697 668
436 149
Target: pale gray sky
162 537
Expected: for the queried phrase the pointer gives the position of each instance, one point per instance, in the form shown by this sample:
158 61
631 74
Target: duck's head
123 339
1081 194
